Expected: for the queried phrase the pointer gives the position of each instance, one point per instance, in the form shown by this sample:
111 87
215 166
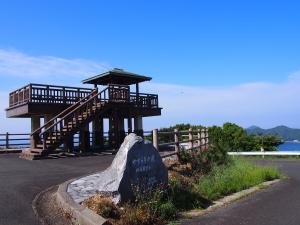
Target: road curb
78 213
228 199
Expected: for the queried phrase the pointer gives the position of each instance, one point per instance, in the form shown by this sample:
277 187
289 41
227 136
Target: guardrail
271 153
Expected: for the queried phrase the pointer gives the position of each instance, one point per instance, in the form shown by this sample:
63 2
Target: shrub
167 211
102 206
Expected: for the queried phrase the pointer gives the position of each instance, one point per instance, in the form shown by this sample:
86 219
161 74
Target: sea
289 146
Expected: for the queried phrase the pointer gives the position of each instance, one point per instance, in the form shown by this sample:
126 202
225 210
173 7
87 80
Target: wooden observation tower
68 111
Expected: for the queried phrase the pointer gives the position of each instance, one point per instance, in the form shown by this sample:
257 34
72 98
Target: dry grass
103 206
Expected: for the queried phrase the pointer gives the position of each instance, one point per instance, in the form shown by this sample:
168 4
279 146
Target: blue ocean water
289 146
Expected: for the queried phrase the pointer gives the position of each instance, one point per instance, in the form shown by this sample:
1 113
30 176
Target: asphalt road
21 180
277 205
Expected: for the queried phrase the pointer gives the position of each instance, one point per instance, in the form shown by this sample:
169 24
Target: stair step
55 137
30 155
36 150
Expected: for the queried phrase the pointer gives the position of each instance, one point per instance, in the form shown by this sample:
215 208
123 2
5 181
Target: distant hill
286 133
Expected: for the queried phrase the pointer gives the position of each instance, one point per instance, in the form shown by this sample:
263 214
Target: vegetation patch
240 174
189 188
195 180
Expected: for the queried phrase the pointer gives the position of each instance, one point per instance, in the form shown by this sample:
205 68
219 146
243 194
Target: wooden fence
169 143
180 140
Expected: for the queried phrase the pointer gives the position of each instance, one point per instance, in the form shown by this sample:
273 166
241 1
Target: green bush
167 211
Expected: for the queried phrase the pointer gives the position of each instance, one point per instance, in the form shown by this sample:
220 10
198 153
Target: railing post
7 140
203 142
190 138
206 138
30 94
64 95
176 140
47 89
199 138
155 138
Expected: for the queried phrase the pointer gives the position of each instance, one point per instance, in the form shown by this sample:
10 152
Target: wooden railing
180 140
188 140
21 141
41 93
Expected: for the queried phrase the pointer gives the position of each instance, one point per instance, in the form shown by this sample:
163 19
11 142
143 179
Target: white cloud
263 104
18 64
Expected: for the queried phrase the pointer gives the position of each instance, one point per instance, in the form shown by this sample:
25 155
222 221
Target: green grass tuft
240 174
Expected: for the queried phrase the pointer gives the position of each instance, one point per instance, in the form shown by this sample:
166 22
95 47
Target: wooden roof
116 76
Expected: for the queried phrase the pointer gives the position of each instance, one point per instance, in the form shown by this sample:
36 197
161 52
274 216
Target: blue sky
215 50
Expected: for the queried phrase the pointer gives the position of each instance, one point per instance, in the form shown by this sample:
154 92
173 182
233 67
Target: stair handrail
62 113
78 107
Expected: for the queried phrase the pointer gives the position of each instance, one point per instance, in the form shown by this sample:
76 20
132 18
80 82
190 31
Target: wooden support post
7 140
121 130
206 139
84 139
155 139
35 124
190 138
176 140
138 126
137 94
203 142
199 138
114 134
69 143
129 124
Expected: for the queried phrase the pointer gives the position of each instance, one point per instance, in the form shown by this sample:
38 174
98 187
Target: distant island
284 132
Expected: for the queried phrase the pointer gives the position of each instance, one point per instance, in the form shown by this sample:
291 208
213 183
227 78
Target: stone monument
137 165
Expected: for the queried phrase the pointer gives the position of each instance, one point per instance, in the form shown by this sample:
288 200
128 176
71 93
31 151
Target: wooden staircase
53 134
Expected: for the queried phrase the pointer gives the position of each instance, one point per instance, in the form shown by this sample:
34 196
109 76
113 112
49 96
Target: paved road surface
21 180
277 205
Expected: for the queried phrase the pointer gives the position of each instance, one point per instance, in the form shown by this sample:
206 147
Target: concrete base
29 155
79 214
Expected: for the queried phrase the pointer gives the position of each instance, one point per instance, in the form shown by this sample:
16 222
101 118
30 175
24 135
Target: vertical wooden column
137 93
69 143
7 140
203 142
97 126
84 138
206 139
190 138
199 138
176 140
121 130
113 130
138 126
35 124
129 124
155 139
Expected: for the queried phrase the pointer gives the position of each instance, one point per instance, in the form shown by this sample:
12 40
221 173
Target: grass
240 174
